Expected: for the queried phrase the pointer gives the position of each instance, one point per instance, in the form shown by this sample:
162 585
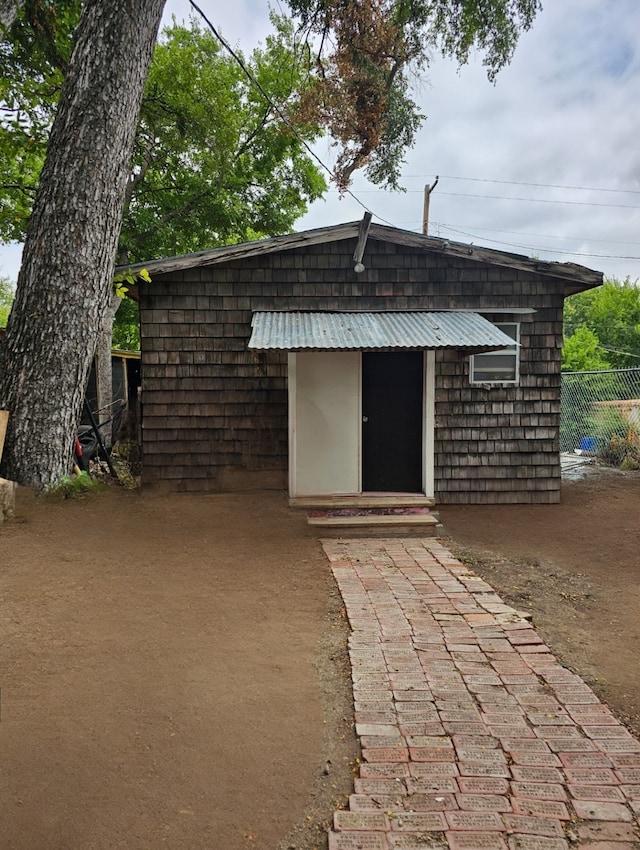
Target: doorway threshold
364 500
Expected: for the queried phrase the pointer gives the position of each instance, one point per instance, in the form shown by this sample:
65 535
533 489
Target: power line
539 200
535 250
238 59
275 107
618 351
543 235
537 185
513 198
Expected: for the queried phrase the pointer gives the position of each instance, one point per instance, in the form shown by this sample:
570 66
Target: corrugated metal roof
291 331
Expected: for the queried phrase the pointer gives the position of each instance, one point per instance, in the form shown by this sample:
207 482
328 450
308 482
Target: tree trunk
9 12
65 283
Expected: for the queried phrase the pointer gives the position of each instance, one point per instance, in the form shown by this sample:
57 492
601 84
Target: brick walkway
473 736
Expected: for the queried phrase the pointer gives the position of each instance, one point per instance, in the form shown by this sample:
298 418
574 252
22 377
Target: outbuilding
355 359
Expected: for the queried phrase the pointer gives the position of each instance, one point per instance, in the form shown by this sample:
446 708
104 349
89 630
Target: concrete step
380 525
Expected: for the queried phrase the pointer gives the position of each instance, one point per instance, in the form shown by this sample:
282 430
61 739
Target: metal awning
297 331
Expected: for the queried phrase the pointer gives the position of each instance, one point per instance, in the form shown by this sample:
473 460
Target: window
498 367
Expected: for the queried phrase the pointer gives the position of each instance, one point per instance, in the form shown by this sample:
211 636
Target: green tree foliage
367 52
126 326
6 300
33 61
582 352
361 54
213 161
602 327
204 119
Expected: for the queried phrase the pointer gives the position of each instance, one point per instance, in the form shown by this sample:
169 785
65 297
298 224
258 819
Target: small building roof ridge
581 275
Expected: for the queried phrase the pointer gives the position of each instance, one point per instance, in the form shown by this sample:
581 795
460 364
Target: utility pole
427 197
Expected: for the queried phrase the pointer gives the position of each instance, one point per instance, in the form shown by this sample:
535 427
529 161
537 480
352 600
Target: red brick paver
473 735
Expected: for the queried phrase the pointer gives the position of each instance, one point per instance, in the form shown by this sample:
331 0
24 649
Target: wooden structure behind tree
121 402
220 415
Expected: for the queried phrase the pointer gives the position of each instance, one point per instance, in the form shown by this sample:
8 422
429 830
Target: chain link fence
600 415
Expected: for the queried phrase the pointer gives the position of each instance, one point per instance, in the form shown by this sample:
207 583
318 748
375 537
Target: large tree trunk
64 285
9 12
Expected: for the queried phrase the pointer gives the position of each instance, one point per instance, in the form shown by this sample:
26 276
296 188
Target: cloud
562 114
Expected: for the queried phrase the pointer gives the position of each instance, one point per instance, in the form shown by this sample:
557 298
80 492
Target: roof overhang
297 331
575 278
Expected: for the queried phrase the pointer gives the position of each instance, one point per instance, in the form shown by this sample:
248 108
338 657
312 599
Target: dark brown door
392 404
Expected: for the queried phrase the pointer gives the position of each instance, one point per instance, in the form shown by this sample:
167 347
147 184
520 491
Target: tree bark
9 12
65 283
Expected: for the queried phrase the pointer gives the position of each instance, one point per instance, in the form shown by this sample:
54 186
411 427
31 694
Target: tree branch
140 238
136 179
245 144
29 191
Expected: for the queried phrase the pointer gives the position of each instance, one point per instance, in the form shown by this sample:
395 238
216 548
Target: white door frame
428 426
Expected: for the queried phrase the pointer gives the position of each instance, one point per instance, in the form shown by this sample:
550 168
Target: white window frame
475 360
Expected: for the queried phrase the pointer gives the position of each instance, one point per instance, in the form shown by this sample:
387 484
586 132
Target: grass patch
75 486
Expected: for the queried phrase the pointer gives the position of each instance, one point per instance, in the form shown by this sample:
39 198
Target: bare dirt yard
168 669
576 568
174 671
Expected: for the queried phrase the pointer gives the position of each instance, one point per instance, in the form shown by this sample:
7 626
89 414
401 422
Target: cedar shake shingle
212 409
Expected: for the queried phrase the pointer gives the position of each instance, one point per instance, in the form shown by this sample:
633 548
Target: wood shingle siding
215 415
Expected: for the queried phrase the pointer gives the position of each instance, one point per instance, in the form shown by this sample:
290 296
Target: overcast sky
546 162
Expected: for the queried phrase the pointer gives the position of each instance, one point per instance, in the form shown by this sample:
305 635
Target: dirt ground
576 568
174 671
164 665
